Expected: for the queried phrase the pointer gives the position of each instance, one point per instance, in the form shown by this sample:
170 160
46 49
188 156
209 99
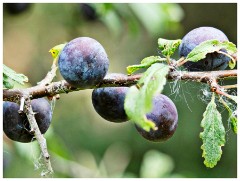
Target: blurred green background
80 142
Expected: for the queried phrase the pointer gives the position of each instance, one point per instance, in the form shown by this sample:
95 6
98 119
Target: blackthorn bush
164 115
16 125
83 62
213 61
109 103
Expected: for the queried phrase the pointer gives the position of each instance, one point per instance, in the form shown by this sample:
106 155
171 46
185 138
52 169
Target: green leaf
213 135
232 116
233 120
231 49
7 83
210 46
138 100
168 47
229 46
145 63
152 59
10 76
152 82
134 110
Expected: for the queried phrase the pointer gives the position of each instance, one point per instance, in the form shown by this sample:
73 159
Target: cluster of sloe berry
84 63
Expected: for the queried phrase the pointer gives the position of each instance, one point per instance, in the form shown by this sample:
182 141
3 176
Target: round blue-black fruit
83 62
165 116
16 126
213 61
109 103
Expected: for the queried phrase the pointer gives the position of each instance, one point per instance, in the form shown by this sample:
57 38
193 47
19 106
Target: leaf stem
181 61
168 60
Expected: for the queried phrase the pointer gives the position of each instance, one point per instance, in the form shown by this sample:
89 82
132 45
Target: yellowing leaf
55 51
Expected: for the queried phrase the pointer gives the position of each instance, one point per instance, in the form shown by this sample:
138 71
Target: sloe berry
83 62
16 126
164 115
213 61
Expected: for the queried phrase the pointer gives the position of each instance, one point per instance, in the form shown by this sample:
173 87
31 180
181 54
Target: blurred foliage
81 143
162 16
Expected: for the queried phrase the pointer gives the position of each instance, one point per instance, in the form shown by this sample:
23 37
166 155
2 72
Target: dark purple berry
16 125
213 61
16 8
109 103
83 62
164 115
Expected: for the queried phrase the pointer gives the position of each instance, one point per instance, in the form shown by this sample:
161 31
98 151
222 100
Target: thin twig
41 140
50 75
37 133
26 102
